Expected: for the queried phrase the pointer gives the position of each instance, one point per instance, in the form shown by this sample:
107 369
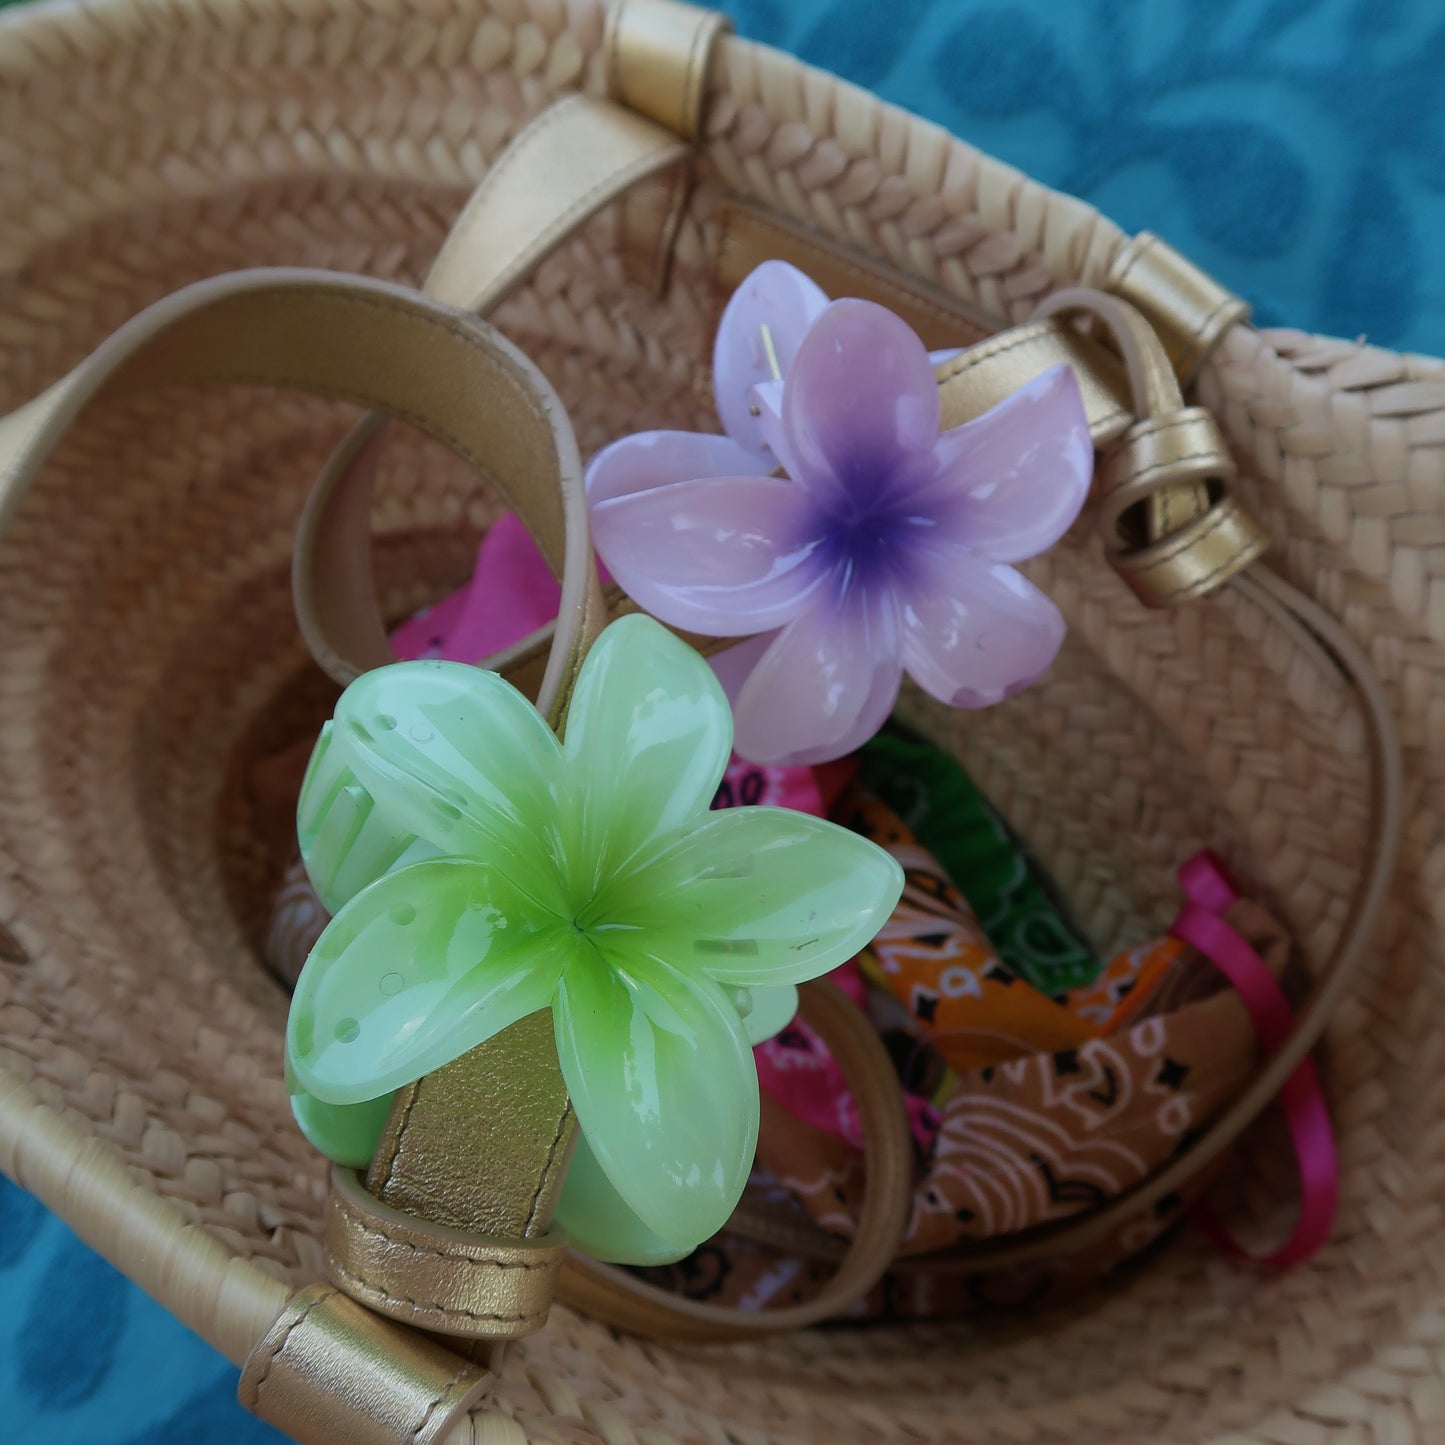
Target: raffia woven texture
148 656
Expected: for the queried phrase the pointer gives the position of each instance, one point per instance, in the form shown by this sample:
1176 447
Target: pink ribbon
1202 925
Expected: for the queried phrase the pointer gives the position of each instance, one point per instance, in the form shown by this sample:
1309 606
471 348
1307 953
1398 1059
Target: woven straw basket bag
1289 713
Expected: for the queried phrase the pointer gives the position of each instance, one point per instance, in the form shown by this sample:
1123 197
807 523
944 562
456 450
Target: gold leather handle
591 152
360 340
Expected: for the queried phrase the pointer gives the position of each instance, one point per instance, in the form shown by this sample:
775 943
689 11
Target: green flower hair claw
480 870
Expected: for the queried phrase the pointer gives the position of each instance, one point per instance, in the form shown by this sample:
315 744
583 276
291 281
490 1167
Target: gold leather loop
436 1278
657 57
329 1370
1195 560
1167 558
1188 308
1150 460
1170 529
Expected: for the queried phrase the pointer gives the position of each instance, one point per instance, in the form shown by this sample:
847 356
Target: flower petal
733 664
661 1075
980 633
648 738
654 458
773 1009
760 897
825 685
861 395
783 299
599 1220
425 964
347 1134
436 751
725 556
1013 480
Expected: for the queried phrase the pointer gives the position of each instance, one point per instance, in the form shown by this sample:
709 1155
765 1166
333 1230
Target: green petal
425 964
770 1011
662 1078
599 1221
431 757
760 897
648 737
345 1133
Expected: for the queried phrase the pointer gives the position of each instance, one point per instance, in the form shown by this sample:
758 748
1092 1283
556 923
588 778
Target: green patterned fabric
1015 903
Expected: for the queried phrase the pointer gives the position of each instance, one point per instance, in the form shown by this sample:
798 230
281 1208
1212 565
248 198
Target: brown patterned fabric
1025 1141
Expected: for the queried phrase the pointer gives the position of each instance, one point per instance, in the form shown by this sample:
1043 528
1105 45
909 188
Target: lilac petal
653 458
1013 480
768 399
860 397
825 685
733 665
787 302
725 556
976 633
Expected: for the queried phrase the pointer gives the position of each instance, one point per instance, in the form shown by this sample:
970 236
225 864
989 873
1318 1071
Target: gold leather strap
329 1370
986 374
500 1113
563 167
1187 307
348 337
590 152
621 1299
453 1281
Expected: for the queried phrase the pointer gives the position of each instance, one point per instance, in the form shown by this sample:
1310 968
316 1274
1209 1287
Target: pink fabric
512 593
1202 925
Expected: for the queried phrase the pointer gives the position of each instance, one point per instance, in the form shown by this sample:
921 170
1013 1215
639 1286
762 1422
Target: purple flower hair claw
884 545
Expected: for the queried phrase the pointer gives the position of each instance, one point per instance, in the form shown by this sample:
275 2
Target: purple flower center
870 530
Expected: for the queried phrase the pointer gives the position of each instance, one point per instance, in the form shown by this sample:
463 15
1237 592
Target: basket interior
149 660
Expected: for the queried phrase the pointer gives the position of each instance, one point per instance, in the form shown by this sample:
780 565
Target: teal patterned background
1294 148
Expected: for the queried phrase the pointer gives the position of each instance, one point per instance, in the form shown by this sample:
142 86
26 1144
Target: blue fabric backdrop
1295 148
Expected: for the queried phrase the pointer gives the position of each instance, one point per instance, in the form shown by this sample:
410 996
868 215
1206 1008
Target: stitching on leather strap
1139 252
1000 345
1224 304
619 181
1139 476
451 1256
400 1135
1157 425
362 1287
1008 341
1226 512
539 125
279 1348
462 1369
546 1174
